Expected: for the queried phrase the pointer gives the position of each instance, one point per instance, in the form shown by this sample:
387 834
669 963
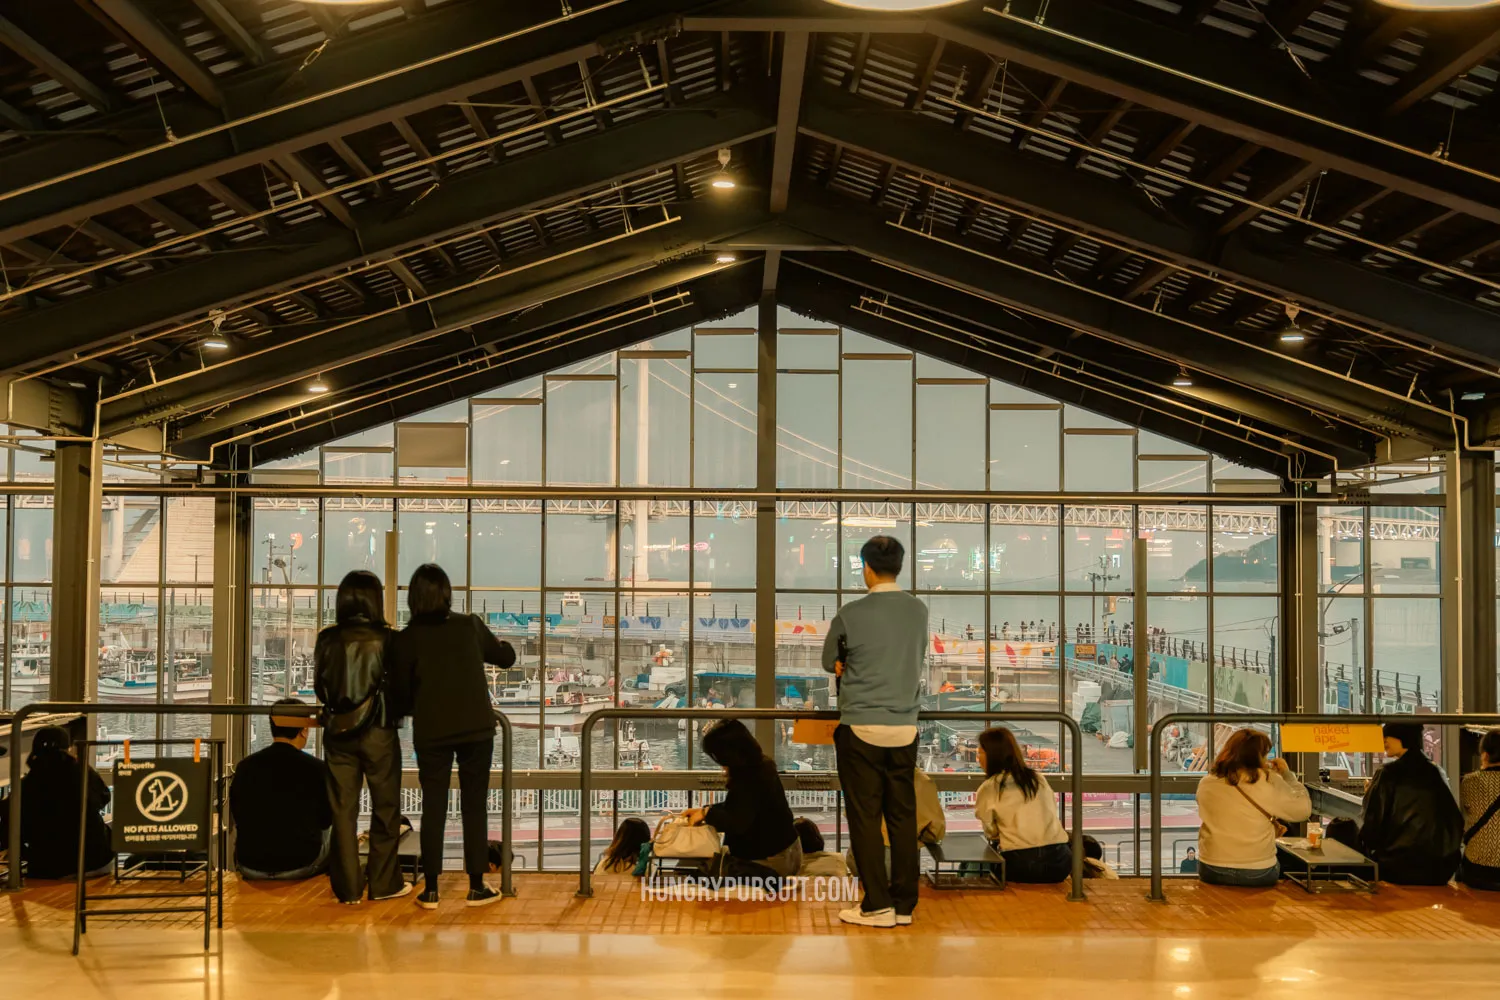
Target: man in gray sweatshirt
877 645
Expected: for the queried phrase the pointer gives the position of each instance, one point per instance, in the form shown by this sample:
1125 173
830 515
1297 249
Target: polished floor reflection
289 943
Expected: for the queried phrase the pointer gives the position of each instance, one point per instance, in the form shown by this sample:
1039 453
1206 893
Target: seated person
1343 830
932 821
1018 811
815 860
1480 866
1094 865
1411 826
49 811
279 801
1240 801
754 817
1189 864
623 854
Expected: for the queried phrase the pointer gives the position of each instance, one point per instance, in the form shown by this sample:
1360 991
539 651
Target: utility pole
1096 577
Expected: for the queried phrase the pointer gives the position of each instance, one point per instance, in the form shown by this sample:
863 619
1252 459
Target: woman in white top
1239 803
622 857
1018 811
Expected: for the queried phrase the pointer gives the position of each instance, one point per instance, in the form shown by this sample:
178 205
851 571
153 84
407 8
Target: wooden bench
965 861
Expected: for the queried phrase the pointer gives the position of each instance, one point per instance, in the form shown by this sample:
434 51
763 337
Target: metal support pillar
78 498
1299 652
231 644
1469 581
1141 651
765 517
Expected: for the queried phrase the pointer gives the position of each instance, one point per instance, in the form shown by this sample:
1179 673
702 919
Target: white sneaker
405 890
874 918
903 920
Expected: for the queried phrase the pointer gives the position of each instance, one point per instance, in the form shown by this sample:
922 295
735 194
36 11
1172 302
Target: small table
1326 868
966 861
408 854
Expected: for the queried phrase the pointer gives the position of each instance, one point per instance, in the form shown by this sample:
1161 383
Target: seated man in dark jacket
279 800
1411 824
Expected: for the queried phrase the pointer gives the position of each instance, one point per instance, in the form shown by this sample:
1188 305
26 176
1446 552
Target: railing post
1156 889
507 744
1075 733
585 812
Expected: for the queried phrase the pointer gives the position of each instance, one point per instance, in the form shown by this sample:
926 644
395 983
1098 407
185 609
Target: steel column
1473 581
765 515
231 609
77 499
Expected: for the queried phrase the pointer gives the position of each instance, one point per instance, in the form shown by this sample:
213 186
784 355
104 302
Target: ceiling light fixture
722 180
317 387
215 344
1292 335
724 257
1437 6
1183 379
895 5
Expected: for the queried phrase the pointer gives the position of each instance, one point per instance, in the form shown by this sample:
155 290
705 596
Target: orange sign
1085 650
1332 738
810 732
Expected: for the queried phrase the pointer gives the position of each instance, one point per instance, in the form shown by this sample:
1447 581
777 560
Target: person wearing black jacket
438 671
360 741
280 804
754 817
49 811
1411 824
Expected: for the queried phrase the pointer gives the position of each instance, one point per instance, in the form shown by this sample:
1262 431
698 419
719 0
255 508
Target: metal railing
586 759
225 711
1267 718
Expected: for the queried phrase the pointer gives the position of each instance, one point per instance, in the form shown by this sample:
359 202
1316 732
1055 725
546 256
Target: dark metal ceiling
428 199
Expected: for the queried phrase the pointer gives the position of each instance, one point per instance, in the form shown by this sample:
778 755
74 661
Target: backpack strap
1484 820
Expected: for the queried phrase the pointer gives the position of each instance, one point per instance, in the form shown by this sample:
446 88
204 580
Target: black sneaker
428 900
483 897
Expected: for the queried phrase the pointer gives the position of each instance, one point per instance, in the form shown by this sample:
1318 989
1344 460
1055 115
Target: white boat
557 705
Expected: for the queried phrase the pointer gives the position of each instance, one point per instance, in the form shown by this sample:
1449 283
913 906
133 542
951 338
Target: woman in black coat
49 810
437 672
755 819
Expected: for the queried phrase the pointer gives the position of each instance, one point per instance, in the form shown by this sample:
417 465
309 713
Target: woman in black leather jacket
360 740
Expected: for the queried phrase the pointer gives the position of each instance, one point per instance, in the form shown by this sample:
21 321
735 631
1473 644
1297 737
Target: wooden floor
548 903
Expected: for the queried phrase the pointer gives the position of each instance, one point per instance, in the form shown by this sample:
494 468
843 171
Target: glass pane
725 350
877 425
808 350
434 531
1341 553
1341 644
724 431
284 542
1175 548
1098 548
190 539
862 522
1244 644
807 433
1245 550
508 440
189 636
128 649
31 557
32 462
30 645
507 544
349 467
283 630
355 532
581 433
1404 550
950 547
806 545
130 540
1023 652
1101 674
1408 653
580 542
655 544
1177 671
1099 462
1025 450
955 656
1188 476
655 406
724 549
1023 547
950 436
578 677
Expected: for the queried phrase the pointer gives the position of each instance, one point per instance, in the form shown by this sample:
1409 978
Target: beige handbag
674 838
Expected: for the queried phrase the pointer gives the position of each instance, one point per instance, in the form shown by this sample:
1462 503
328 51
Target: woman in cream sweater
1239 802
1018 810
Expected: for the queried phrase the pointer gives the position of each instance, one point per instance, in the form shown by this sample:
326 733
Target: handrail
228 711
1271 718
585 763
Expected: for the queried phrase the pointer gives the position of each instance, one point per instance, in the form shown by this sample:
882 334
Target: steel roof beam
44 59
1185 74
472 198
1467 39
166 47
233 31
712 298
788 108
190 160
991 168
1115 321
558 270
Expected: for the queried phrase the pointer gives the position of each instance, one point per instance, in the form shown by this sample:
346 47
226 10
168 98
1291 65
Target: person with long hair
1018 810
49 810
1240 803
623 854
1480 866
754 817
360 740
439 661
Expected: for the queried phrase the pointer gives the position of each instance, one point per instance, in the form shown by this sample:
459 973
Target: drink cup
1314 836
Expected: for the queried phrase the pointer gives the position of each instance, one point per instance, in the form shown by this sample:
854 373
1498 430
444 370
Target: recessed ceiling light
725 258
1471 396
215 344
317 387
